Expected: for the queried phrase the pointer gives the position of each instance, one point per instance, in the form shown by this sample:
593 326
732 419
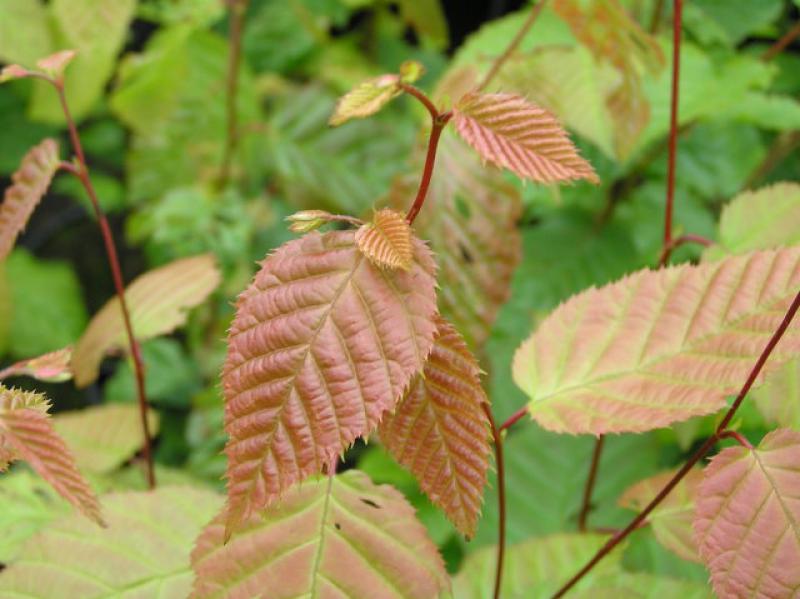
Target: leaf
638 585
24 32
26 427
52 367
386 241
734 20
778 399
30 183
762 219
428 18
440 432
323 343
470 220
366 99
158 302
103 437
746 523
671 520
55 64
509 132
144 552
658 346
343 536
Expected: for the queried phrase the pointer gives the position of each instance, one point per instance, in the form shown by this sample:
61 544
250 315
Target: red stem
667 250
721 432
420 95
673 122
82 172
586 506
782 43
437 126
501 500
737 436
238 9
515 417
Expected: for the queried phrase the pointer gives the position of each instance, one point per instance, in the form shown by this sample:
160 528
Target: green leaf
47 303
279 36
199 13
428 18
144 551
735 19
19 134
642 586
778 399
24 32
366 99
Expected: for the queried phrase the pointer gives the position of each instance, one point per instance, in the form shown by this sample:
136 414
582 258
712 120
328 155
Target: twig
501 500
737 436
515 42
437 126
515 417
673 122
667 250
780 45
720 433
586 505
81 171
238 9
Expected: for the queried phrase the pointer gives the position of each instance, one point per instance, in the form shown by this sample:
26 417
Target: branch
720 433
515 417
586 505
501 500
81 171
238 9
667 250
782 43
673 123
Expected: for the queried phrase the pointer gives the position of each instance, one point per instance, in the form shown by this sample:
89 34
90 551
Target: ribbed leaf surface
335 537
52 367
103 437
658 346
440 432
747 522
322 345
671 520
366 99
142 554
158 302
510 132
386 241
30 183
25 428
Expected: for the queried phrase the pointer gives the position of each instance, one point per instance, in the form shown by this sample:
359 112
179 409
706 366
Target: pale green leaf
778 399
24 33
428 18
734 19
366 99
638 585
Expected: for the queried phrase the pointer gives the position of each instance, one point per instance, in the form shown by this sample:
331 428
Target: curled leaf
366 99
510 132
53 367
323 343
440 431
54 65
30 182
386 241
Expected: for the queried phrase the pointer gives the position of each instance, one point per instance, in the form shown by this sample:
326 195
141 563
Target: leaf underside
747 523
440 431
386 241
27 430
322 345
510 132
337 537
658 346
158 302
29 184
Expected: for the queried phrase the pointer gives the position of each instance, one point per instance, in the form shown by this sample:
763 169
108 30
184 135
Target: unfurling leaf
671 520
30 183
143 553
747 523
386 241
366 99
323 343
54 65
103 437
13 71
411 71
305 221
158 302
26 429
52 367
335 537
440 431
510 132
658 346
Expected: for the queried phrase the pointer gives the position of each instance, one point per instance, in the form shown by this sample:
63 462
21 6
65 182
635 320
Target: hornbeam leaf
323 343
158 302
340 537
671 520
143 553
104 437
25 428
747 523
366 99
386 241
658 346
510 132
52 367
30 183
440 432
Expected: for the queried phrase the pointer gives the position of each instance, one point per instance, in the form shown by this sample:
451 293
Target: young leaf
340 536
158 301
103 437
323 343
440 432
778 399
510 132
671 520
746 524
386 241
54 65
52 367
144 551
366 99
30 183
26 428
658 346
